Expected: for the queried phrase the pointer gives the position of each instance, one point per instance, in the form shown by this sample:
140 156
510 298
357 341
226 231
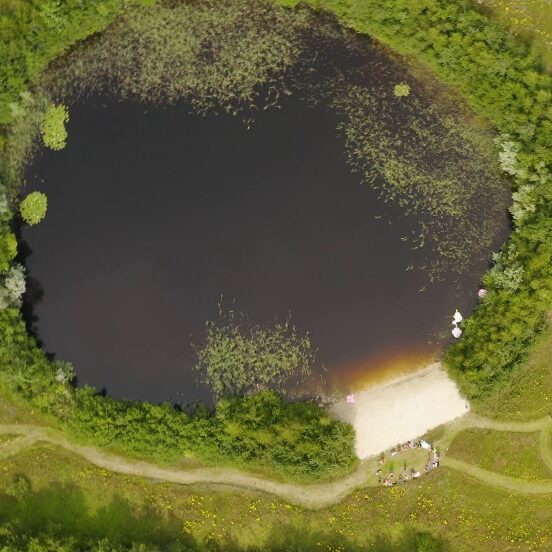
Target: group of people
405 475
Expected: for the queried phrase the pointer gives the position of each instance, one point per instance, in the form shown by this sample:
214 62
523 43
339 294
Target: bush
8 248
426 542
262 430
13 287
19 488
401 90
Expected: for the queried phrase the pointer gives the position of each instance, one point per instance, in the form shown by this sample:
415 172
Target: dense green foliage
503 80
33 207
238 357
261 430
54 133
35 32
8 249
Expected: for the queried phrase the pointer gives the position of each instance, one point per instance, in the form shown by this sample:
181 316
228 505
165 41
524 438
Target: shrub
13 288
262 430
8 248
19 488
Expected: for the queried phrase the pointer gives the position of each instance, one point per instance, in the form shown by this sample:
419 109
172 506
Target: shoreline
401 409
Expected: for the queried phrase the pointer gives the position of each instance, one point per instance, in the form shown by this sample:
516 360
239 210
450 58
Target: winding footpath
306 495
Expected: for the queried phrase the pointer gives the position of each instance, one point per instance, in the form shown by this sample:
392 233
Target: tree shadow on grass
63 512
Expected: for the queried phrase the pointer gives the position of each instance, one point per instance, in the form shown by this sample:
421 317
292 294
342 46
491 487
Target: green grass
88 501
513 454
14 411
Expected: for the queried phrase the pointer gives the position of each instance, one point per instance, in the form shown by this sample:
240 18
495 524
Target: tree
33 207
54 133
238 356
8 249
13 288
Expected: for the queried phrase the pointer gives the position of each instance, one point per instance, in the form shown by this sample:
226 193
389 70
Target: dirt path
306 495
474 421
499 480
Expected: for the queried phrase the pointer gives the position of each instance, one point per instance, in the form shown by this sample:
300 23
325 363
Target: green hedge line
504 81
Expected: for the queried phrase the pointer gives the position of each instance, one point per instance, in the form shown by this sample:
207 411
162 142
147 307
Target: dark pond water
154 214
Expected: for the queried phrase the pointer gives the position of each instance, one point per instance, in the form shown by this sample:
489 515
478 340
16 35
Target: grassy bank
75 498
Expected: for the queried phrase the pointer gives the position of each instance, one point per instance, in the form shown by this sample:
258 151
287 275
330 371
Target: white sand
401 409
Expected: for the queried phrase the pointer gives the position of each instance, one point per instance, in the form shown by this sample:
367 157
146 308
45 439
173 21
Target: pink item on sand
350 399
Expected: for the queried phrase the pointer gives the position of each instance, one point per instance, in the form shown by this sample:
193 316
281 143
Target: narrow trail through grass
307 495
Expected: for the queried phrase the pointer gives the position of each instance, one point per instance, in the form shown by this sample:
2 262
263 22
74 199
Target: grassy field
531 19
90 502
513 454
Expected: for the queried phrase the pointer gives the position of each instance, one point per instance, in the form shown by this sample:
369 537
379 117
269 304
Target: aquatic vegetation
52 127
401 90
215 54
436 169
33 207
238 356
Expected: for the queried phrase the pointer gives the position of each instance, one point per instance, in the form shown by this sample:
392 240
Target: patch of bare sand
401 409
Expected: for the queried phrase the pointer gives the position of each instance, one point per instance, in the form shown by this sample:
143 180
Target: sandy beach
401 409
